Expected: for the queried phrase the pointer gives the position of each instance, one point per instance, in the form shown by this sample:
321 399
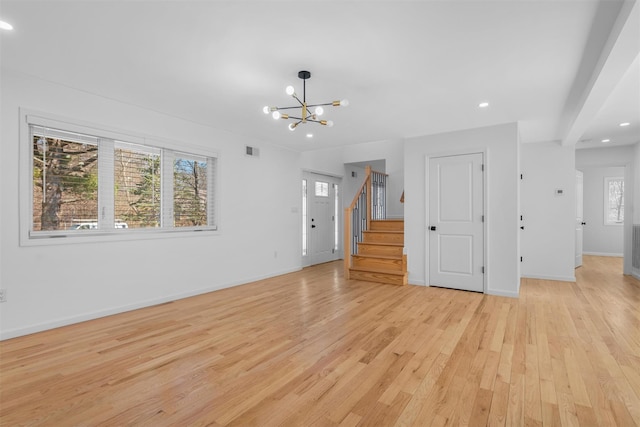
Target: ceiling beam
618 54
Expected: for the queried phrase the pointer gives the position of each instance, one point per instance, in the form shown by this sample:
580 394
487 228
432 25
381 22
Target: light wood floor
309 349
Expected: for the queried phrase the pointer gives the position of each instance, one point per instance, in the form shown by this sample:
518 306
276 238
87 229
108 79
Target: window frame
606 221
108 139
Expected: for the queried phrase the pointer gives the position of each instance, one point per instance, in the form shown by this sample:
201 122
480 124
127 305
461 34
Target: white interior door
322 219
579 216
456 230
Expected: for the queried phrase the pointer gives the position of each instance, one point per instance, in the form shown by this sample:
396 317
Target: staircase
373 244
380 258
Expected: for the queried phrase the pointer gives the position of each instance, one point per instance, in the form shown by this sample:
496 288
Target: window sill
47 238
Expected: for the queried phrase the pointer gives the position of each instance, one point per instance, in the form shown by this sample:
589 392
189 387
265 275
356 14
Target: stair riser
379 277
377 263
387 225
380 250
383 238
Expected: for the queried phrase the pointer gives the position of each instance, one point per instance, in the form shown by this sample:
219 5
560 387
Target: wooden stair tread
378 256
379 270
381 244
383 231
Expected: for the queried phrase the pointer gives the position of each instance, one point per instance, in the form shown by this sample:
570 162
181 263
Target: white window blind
137 198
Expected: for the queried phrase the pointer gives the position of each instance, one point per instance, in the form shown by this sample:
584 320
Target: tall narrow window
65 180
614 200
137 186
304 217
189 191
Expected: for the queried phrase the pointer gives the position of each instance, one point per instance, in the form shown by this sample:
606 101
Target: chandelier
305 115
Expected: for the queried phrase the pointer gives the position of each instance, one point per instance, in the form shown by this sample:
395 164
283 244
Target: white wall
351 184
501 146
548 238
600 238
618 156
49 286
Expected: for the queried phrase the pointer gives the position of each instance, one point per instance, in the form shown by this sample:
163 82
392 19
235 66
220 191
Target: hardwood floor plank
312 349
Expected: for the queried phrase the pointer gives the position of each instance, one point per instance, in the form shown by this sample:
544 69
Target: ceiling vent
251 151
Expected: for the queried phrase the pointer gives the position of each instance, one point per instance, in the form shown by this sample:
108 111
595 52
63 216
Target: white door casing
322 219
456 216
579 216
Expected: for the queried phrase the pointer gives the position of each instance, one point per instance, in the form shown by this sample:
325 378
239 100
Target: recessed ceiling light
309 135
624 124
483 105
5 26
606 140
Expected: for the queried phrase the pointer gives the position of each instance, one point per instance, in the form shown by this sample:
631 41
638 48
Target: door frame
485 209
579 228
629 185
306 173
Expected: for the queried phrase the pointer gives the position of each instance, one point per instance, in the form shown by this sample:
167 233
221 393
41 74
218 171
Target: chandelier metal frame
305 114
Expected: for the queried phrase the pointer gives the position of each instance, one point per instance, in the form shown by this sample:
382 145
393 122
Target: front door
320 221
456 216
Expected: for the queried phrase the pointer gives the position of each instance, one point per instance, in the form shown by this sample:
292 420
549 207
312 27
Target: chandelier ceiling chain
305 114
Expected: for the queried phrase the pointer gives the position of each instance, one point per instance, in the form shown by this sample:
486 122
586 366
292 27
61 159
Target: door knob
313 226
432 228
522 227
584 223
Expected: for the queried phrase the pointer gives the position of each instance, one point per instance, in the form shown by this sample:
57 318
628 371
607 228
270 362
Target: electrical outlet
3 295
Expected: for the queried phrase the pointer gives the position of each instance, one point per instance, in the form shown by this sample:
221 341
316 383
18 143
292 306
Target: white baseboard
603 254
65 321
635 274
500 293
557 278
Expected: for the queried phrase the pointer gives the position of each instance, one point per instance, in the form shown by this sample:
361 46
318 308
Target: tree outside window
614 200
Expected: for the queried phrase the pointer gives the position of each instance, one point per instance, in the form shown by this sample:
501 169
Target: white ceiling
561 68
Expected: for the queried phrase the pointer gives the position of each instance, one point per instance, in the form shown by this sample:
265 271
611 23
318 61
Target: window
614 201
189 191
322 189
304 217
137 186
87 182
336 223
65 180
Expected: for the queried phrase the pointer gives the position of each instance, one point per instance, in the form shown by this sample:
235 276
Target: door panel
321 220
321 223
461 247
456 236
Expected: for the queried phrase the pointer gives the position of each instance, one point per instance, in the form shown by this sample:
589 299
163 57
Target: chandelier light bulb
319 111
329 123
292 127
276 115
344 103
290 90
266 109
